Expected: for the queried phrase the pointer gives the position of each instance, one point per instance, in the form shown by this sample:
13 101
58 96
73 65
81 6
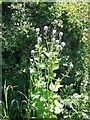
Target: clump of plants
8 106
46 58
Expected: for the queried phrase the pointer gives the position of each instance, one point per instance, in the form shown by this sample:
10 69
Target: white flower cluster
61 34
54 32
39 39
32 52
37 29
63 44
36 46
45 28
60 46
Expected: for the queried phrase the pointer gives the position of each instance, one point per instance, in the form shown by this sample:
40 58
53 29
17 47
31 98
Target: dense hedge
19 23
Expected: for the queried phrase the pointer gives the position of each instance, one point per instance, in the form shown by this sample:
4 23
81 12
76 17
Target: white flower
57 110
54 31
44 49
39 39
58 107
45 28
37 29
36 46
63 44
52 87
59 47
61 34
32 52
56 21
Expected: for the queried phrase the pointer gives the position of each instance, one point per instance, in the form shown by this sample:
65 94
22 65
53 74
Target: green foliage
38 76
